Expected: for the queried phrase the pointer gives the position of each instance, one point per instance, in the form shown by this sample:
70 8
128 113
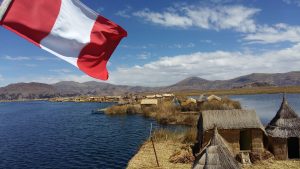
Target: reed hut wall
278 147
257 140
232 138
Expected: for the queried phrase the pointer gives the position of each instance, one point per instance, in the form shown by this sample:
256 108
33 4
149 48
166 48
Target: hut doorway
293 147
245 140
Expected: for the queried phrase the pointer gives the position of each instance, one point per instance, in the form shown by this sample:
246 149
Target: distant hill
95 88
251 80
28 91
70 88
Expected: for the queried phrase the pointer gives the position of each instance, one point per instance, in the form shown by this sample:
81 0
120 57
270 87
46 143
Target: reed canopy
216 155
149 102
229 119
286 122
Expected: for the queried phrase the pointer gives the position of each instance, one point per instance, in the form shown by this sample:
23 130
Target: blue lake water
266 105
67 135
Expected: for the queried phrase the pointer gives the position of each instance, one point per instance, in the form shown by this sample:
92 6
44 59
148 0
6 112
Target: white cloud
292 2
100 9
144 55
180 46
239 18
57 78
61 71
125 13
22 58
224 17
165 18
16 58
209 65
31 65
137 46
46 58
273 34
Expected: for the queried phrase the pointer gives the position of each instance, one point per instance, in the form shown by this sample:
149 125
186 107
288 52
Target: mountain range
69 88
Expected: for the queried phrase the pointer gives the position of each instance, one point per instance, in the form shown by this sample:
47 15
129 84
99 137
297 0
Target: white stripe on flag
71 31
4 4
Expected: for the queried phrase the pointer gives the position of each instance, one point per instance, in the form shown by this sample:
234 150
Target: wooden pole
152 141
155 152
3 7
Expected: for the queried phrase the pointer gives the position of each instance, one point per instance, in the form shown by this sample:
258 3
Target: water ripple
67 135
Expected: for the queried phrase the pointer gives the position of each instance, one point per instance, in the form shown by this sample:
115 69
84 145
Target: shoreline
243 91
221 92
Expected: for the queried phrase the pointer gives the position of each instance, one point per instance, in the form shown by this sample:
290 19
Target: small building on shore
191 100
215 154
213 97
145 103
168 96
241 129
154 96
284 133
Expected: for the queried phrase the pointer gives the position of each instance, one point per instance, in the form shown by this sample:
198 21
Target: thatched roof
216 155
149 102
168 95
150 96
154 96
229 119
286 122
214 97
191 100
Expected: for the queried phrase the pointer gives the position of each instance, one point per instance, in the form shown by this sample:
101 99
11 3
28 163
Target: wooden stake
155 152
153 146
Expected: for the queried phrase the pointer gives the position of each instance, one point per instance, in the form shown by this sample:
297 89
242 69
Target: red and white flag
66 28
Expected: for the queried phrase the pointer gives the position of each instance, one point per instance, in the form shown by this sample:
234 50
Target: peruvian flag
66 28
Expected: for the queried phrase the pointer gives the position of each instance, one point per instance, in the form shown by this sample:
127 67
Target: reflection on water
266 105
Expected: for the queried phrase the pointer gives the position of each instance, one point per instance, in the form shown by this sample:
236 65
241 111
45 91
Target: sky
171 40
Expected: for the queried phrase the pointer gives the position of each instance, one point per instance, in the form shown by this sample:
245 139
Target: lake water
67 135
266 105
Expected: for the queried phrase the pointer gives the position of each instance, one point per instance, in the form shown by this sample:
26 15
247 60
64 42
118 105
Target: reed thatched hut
215 155
145 103
214 97
168 96
284 133
242 129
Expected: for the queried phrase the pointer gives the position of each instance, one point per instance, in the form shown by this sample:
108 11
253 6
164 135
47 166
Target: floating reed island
173 110
223 138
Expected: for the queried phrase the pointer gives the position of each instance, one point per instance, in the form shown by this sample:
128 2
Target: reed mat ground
145 158
273 164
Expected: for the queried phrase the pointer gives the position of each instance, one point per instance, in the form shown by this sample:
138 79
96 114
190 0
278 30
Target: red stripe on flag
32 19
105 37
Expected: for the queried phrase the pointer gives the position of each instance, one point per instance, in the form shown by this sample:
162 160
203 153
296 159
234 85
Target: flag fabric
68 29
